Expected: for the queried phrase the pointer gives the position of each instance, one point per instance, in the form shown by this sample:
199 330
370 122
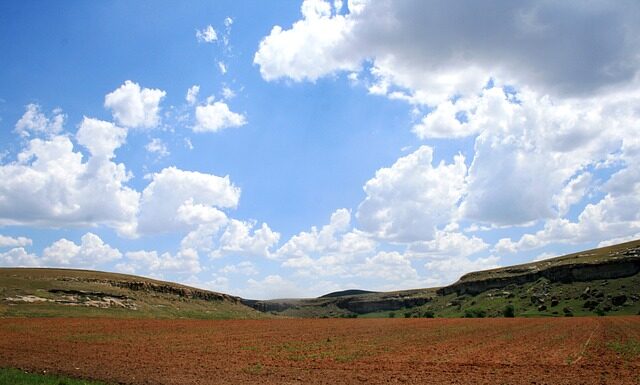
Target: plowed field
602 350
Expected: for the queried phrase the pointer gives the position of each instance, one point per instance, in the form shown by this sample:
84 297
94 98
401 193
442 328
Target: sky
294 148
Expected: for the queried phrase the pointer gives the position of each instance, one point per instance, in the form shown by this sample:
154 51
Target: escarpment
579 267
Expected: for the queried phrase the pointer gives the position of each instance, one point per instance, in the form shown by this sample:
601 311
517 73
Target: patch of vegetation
254 369
19 377
629 349
475 313
509 311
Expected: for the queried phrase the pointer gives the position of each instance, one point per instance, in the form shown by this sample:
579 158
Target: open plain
581 350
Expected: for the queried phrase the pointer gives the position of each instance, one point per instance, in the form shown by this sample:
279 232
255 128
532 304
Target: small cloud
216 117
227 93
222 67
158 147
206 35
135 107
192 94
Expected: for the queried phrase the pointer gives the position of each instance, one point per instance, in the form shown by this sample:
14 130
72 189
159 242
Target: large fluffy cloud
185 261
242 238
434 50
135 107
409 200
50 185
91 252
99 137
176 199
313 47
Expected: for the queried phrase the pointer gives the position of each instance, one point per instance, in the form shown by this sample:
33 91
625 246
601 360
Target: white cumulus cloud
217 116
135 107
409 200
34 122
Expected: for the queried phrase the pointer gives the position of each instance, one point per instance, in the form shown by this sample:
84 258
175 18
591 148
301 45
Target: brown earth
603 350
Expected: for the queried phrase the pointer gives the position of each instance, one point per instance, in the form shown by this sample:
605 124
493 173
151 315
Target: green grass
18 377
629 349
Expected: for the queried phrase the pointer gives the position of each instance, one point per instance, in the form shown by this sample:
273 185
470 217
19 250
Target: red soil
328 351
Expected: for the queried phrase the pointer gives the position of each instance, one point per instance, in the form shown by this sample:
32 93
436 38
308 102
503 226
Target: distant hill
599 281
79 293
345 293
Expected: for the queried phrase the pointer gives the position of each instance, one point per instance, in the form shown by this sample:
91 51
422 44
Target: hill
345 293
599 281
26 292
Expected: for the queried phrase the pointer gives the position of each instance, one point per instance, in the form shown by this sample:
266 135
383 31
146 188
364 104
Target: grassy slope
38 282
18 377
493 302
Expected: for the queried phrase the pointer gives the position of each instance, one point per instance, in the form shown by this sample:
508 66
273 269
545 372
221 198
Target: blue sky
329 145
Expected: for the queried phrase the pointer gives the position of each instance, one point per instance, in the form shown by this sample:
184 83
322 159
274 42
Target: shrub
509 311
407 315
392 315
429 314
475 313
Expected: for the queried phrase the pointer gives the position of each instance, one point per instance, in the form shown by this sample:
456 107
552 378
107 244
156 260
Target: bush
475 313
429 314
509 311
392 315
407 315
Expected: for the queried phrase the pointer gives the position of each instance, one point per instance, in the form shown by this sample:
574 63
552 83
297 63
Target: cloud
313 47
244 268
206 35
449 244
222 67
176 199
135 107
34 122
158 147
447 270
100 138
91 252
409 200
433 49
192 94
185 261
532 150
18 257
228 93
241 238
389 266
216 116
328 250
6 241
271 286
49 185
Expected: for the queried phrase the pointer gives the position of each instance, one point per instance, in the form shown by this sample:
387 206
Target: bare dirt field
603 350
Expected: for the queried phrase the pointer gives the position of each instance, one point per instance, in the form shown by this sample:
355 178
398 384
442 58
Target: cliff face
152 287
362 305
621 264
